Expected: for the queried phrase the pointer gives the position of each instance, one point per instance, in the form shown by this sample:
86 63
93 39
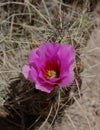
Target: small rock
98 112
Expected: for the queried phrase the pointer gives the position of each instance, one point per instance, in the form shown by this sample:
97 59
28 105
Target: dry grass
26 28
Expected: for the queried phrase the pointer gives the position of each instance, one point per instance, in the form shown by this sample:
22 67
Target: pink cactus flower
50 65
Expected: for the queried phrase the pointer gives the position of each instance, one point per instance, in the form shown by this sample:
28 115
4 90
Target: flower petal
26 71
67 80
33 56
45 87
50 49
66 55
34 74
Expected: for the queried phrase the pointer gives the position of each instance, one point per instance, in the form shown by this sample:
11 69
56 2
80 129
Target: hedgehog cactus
46 83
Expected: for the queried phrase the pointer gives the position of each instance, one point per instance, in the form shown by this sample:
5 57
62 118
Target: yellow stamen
51 74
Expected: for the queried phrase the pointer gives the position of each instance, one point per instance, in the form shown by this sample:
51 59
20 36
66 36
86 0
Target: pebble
98 112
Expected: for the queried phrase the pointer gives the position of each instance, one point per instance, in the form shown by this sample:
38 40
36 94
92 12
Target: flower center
51 74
